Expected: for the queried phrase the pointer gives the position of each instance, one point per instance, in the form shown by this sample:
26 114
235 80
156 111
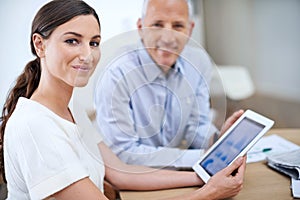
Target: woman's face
72 51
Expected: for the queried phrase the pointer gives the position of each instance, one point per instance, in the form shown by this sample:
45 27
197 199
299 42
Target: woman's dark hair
48 18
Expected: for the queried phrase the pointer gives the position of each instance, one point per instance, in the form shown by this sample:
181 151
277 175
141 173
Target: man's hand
225 126
230 121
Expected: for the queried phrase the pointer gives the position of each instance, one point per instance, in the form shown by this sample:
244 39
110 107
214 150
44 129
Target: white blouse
45 153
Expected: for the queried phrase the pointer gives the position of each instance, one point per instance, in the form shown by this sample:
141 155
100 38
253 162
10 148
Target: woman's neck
56 96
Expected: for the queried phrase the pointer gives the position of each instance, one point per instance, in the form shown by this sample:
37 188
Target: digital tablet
235 142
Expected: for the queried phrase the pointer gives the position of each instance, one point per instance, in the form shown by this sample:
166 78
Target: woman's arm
220 186
133 177
124 176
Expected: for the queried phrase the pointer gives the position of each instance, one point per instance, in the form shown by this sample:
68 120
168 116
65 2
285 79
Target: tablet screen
231 146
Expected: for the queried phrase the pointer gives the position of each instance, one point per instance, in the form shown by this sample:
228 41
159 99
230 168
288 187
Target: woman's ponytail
25 85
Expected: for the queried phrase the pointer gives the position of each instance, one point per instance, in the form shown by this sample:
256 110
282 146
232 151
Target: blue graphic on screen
231 146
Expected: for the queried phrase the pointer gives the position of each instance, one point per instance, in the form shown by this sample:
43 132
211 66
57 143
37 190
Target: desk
260 182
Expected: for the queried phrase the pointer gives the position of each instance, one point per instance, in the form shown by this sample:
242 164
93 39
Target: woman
52 153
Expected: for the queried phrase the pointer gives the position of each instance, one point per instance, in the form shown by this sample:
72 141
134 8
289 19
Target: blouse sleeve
49 157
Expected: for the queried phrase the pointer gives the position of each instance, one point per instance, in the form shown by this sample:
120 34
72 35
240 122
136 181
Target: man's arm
200 129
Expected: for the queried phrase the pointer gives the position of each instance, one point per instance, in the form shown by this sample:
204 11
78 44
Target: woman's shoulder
24 111
30 116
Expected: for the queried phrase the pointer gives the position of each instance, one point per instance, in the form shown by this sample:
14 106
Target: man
155 96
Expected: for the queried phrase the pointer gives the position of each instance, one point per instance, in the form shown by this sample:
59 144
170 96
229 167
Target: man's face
165 30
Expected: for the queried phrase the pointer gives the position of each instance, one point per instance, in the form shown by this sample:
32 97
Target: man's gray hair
145 6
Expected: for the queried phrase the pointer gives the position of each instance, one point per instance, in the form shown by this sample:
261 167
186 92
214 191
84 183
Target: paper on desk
276 142
296 188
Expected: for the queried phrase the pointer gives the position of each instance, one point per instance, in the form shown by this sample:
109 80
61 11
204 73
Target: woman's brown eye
71 41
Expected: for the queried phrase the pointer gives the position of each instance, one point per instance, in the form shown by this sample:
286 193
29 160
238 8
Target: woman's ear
38 43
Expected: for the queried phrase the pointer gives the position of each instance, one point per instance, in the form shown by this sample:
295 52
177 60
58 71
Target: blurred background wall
262 35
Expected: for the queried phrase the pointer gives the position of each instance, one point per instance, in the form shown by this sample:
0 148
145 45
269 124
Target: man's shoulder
197 62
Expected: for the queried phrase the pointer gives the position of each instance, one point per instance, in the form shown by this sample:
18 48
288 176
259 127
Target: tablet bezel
258 118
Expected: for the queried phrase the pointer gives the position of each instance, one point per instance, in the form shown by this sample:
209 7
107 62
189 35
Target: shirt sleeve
50 161
161 156
200 127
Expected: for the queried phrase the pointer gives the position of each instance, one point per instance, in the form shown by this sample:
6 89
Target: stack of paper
287 163
296 188
282 155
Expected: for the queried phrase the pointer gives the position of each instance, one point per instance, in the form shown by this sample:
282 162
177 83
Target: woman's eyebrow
79 35
73 33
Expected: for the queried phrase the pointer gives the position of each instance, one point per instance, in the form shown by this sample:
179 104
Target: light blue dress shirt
145 114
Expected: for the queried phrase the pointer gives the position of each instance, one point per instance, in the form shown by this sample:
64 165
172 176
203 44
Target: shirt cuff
188 158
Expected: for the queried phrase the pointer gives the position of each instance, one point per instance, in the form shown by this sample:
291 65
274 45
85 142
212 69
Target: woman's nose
85 54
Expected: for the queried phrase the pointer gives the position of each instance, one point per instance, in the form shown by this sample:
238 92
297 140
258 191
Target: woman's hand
227 182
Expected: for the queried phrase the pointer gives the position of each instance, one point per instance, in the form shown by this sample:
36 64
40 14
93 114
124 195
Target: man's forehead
170 5
158 9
